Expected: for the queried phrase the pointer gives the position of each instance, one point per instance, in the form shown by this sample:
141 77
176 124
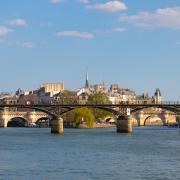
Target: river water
85 154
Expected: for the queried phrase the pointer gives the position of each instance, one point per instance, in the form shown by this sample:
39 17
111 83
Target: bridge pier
140 118
124 124
57 126
3 123
4 118
165 118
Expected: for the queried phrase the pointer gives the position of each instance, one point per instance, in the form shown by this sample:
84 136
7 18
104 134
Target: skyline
134 44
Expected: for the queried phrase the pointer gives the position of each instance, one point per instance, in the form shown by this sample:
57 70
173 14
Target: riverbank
99 125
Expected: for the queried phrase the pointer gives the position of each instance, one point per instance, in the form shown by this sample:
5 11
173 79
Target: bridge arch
111 110
170 109
30 116
48 112
145 114
153 117
43 122
43 118
17 122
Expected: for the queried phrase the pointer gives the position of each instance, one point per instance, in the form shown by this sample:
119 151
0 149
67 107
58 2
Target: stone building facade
52 88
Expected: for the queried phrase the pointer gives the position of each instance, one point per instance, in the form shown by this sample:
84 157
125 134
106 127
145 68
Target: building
8 98
44 95
66 97
157 96
29 99
144 99
98 88
84 92
114 88
116 94
5 95
52 88
119 95
86 89
83 98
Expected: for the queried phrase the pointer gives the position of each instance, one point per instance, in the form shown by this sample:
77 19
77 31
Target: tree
99 98
178 119
66 97
81 114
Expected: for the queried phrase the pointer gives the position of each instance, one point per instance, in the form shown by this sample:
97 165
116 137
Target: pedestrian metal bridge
55 110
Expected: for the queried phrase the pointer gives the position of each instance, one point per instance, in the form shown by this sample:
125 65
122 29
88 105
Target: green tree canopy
99 98
177 118
83 114
66 97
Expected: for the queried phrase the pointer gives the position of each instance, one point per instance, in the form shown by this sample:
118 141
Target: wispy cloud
118 29
29 45
17 22
178 43
161 18
56 1
113 30
5 31
76 34
84 1
111 6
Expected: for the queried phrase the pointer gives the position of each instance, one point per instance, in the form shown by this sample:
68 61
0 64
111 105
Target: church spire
87 81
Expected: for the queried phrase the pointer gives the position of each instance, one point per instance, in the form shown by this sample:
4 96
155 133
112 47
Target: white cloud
161 18
29 45
84 1
77 34
114 30
56 1
17 22
119 29
111 6
5 31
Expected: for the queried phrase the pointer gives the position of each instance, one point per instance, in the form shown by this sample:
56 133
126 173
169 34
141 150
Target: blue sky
133 43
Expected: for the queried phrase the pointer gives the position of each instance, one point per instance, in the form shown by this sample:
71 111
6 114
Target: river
89 154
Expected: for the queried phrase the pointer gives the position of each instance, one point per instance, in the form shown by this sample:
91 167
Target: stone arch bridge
29 116
126 113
